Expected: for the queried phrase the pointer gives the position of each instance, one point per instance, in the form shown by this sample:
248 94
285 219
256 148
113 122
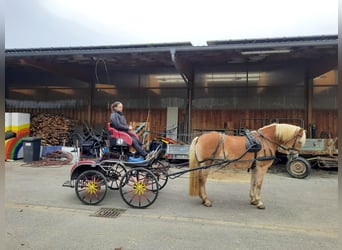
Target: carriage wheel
91 187
160 171
115 174
139 188
298 168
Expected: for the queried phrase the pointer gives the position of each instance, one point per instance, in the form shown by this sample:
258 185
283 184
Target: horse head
291 138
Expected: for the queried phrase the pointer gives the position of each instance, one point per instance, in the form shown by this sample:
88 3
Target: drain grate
108 212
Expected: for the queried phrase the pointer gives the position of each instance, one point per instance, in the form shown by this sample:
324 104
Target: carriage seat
120 138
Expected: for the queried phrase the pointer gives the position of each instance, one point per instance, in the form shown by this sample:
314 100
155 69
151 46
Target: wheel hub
92 187
139 188
298 167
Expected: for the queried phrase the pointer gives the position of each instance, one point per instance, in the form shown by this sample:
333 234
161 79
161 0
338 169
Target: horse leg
252 188
203 175
256 184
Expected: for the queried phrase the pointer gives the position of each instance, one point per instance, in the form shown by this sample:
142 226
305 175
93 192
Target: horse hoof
254 203
207 203
261 206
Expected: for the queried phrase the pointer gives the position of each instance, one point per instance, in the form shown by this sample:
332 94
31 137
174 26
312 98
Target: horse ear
301 131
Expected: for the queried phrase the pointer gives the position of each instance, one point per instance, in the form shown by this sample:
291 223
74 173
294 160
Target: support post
187 74
189 110
308 103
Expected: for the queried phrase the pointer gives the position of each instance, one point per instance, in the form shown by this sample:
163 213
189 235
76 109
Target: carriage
140 180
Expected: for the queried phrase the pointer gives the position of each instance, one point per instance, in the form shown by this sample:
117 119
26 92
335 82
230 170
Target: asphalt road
300 214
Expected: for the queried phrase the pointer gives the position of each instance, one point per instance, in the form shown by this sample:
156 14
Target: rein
288 149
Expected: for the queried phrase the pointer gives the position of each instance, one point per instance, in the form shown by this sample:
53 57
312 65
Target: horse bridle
288 149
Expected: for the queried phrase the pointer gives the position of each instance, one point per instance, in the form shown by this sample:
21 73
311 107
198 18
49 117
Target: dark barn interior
225 85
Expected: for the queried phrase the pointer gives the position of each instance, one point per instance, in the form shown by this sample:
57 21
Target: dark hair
114 105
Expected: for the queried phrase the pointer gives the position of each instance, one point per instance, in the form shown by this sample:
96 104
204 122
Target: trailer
177 152
320 152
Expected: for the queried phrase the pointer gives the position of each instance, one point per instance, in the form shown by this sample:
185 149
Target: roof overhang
136 57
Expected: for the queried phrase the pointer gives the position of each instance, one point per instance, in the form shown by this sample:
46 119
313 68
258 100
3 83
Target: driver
118 121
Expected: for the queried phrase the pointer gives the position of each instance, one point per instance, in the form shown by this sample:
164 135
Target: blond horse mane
285 132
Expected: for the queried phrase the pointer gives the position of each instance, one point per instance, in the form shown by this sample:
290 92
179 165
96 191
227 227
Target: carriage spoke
131 200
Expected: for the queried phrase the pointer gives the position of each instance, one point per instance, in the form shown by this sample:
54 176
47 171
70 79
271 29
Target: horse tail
193 175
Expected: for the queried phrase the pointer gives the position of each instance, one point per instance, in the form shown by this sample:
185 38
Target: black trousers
137 145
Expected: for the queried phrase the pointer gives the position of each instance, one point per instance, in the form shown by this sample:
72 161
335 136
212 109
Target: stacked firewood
53 129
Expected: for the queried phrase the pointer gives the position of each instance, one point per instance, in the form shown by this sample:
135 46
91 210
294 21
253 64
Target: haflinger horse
214 148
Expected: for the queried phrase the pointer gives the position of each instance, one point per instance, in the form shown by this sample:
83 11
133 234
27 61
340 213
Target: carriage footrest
68 183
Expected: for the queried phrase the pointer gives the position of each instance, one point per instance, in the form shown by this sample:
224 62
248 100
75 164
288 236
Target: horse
214 148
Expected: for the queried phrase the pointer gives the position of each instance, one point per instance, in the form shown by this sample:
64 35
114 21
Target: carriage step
108 212
68 183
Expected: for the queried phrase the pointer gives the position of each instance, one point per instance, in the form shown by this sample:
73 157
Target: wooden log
53 129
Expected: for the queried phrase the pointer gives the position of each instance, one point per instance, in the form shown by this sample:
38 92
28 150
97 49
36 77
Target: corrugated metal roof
276 40
181 46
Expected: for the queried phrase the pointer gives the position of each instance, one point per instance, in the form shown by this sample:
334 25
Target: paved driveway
300 214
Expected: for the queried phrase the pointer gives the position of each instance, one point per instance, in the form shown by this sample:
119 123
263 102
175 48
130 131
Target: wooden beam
82 73
321 66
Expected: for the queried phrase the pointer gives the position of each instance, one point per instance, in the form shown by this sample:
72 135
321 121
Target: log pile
53 129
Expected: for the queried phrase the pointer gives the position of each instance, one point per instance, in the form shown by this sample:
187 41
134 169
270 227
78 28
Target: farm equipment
316 152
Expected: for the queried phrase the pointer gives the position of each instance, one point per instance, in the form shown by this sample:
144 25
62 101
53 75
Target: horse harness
252 144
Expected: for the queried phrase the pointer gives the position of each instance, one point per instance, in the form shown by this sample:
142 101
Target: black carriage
138 180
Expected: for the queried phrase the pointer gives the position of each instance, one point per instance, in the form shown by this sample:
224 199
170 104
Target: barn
180 88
